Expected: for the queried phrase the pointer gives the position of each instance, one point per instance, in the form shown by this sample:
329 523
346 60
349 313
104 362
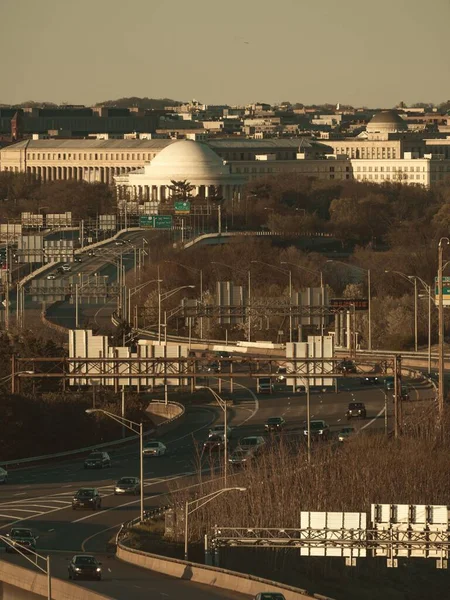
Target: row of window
388 169
394 177
93 156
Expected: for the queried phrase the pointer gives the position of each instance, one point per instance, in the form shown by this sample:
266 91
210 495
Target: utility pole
441 386
397 395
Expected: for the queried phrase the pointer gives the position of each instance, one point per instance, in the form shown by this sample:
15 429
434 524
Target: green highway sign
146 221
182 208
163 221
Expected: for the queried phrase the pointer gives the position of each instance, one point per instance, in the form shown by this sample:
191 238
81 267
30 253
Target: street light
135 428
207 498
163 296
249 296
412 279
135 290
369 294
322 289
223 405
22 550
441 387
193 270
289 272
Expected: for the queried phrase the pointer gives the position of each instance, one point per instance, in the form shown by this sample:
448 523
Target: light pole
193 270
249 296
441 388
412 279
223 405
289 273
204 500
322 289
135 290
163 296
135 428
369 296
23 551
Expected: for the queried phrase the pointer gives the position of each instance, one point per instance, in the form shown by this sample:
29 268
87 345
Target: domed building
385 122
185 160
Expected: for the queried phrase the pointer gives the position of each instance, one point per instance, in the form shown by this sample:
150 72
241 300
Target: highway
40 497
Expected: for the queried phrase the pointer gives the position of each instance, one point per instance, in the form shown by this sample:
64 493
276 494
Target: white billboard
317 346
333 534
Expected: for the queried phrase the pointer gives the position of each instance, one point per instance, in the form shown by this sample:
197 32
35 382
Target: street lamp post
164 296
193 270
204 500
441 387
369 296
289 273
223 405
135 428
412 279
23 551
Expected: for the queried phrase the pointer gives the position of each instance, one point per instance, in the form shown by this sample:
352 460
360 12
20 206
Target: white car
3 475
51 276
66 267
154 449
219 430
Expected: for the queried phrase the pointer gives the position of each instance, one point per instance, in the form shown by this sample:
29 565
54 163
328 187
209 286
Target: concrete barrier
18 583
221 578
173 414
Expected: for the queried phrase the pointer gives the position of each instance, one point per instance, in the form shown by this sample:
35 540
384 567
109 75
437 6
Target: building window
128 157
331 169
90 156
139 157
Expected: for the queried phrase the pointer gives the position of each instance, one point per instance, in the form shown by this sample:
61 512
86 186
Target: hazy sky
360 52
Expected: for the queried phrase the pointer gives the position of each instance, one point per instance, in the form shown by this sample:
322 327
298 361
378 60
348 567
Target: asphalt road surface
40 497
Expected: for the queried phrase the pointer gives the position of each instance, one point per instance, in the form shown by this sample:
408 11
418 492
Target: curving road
40 497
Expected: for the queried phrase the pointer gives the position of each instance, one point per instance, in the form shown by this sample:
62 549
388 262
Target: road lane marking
85 541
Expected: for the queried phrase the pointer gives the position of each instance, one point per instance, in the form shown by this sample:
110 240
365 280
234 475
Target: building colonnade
89 174
161 192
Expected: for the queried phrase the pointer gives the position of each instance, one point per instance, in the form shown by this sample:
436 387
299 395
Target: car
369 380
390 386
66 267
22 537
87 498
346 366
52 275
119 242
389 382
128 485
85 566
213 367
214 443
241 457
3 475
97 460
252 442
264 385
78 259
91 253
274 424
356 409
281 374
154 448
405 393
345 433
269 596
318 430
220 430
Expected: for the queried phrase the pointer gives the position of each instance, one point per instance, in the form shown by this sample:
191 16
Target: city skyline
350 52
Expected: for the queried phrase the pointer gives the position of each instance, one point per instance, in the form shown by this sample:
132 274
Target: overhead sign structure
445 291
156 221
182 208
349 303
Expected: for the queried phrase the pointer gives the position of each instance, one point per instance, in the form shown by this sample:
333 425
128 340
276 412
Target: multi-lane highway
40 497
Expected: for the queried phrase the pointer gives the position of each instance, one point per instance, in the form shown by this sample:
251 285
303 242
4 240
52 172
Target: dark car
214 443
346 366
319 430
85 566
274 424
369 380
269 596
87 498
356 409
213 367
405 393
128 485
78 259
97 460
24 538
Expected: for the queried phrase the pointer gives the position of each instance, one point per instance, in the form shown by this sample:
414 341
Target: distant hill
155 103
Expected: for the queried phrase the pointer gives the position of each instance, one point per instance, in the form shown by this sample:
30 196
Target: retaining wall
173 412
18 583
221 578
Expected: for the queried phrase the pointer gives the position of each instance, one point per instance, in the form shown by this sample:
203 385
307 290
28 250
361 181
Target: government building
142 169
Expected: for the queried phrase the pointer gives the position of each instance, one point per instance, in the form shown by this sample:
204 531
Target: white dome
187 159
